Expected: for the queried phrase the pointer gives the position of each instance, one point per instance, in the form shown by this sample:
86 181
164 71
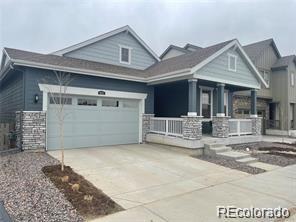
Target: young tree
62 80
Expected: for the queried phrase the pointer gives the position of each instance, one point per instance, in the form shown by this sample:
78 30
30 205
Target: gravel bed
279 154
231 164
274 159
27 194
257 145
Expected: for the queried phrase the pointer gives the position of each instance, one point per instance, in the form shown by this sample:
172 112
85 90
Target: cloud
49 25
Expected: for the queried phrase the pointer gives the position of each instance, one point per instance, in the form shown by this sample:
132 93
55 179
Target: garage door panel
91 126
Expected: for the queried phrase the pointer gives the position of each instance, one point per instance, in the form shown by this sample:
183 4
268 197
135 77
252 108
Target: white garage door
93 121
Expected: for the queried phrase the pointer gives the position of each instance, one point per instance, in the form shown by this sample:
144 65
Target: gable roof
104 36
284 62
182 65
47 61
186 61
255 49
188 45
173 47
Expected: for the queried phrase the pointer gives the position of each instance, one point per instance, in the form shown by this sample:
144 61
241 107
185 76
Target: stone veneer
146 123
220 126
31 130
192 127
256 126
244 102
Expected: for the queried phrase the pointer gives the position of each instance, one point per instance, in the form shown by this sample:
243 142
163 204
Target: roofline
272 43
228 46
103 36
173 47
78 71
192 46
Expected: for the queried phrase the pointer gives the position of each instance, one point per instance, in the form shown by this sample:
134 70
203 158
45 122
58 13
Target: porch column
192 108
256 121
220 110
253 103
230 104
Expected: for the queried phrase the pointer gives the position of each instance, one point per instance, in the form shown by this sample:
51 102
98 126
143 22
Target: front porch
194 112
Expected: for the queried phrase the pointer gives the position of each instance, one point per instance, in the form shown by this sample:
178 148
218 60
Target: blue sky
48 25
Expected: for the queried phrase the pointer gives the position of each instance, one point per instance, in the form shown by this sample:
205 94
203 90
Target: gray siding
292 89
218 70
35 76
172 53
265 62
11 96
280 81
107 51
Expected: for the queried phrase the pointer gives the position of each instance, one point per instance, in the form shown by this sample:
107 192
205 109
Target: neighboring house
277 100
118 82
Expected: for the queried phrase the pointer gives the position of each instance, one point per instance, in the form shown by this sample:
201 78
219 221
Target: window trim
201 88
129 54
235 62
292 79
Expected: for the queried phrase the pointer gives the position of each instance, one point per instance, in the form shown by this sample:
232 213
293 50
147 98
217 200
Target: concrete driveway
154 183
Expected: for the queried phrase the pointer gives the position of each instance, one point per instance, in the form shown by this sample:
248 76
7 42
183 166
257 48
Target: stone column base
31 130
220 126
192 127
256 126
146 124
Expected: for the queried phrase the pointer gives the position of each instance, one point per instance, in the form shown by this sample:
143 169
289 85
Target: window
110 103
206 101
129 104
243 111
232 62
125 54
292 79
87 102
266 76
56 100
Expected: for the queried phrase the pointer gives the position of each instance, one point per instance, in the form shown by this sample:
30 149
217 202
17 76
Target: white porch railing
238 127
167 126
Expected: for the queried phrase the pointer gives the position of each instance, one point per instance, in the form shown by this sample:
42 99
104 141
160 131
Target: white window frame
235 62
129 54
292 79
201 88
226 101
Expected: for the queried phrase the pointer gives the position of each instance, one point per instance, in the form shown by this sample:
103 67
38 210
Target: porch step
234 155
247 160
221 149
213 145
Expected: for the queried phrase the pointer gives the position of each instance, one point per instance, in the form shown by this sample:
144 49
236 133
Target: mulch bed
99 205
231 164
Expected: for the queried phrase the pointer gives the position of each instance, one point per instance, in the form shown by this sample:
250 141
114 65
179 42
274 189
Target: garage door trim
79 91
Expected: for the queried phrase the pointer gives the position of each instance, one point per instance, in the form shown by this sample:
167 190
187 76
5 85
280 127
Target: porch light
36 98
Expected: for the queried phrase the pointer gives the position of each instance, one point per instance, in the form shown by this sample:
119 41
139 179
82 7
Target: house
277 100
121 92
